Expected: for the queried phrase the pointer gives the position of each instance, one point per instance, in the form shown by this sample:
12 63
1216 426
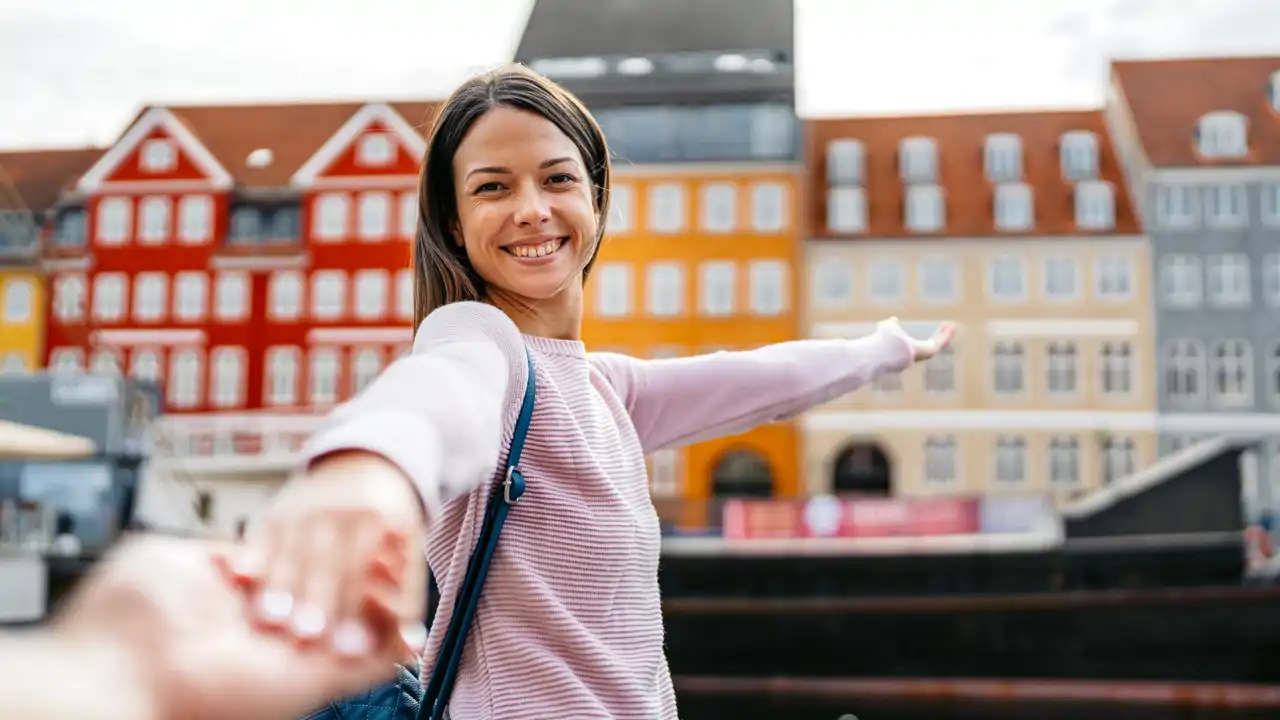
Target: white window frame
158 155
1078 155
667 208
769 286
614 286
1010 460
373 219
183 378
66 361
366 365
190 296
846 210
1008 369
110 296
284 283
1064 461
1095 205
1062 369
998 269
371 290
925 208
154 216
195 219
1271 279
886 281
1222 134
1118 455
227 376
144 364
407 215
376 149
719 207
1014 207
1002 157
933 269
846 162
665 289
231 296
1227 280
940 373
1060 267
717 288
1226 206
832 284
622 204
1116 363
282 365
1181 281
114 221
1177 206
70 290
404 294
105 361
324 375
918 160
331 219
150 302
940 465
328 294
1185 359
19 296
665 474
770 207
1114 278
1231 372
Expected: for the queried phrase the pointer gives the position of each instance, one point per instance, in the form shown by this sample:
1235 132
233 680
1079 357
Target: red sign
861 518
761 519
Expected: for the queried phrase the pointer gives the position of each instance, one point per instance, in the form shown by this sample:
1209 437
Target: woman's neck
558 317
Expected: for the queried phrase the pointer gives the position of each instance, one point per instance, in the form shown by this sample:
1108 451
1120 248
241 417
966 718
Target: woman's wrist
386 485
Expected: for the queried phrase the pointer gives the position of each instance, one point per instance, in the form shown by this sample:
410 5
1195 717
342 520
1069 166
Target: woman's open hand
307 564
922 349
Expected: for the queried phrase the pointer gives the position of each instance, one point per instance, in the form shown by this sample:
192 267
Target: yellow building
1018 228
699 259
31 186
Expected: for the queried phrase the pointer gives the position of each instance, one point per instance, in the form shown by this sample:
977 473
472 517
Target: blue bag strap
505 494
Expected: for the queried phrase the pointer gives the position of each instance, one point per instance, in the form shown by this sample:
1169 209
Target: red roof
39 176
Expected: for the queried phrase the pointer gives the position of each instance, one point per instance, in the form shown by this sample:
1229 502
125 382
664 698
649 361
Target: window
1118 460
940 372
70 228
621 209
1271 204
938 280
845 162
1271 279
832 284
231 296
228 377
65 361
109 297
1011 459
918 160
114 215
1079 155
1002 157
1007 277
376 149
408 215
190 296
69 297
1014 210
404 294
374 220
286 294
769 207
195 219
926 208
149 296
17 300
666 208
886 281
1274 373
331 217
1060 278
1180 280
613 287
105 361
328 294
717 288
719 207
846 210
145 365
768 286
940 459
664 473
155 220
1228 279
665 289
184 378
322 380
1095 206
1114 277
371 294
14 364
1223 134
1183 369
1176 206
1226 206
1117 368
887 384
1062 367
1064 461
1007 368
1232 372
158 155
365 368
282 375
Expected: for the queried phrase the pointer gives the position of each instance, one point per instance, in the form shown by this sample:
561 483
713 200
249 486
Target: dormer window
918 160
1222 134
158 155
1014 209
1273 91
1079 155
846 162
1003 157
926 208
1095 205
376 150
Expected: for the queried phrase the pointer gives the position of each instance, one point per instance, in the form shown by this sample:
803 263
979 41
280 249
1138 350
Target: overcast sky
74 71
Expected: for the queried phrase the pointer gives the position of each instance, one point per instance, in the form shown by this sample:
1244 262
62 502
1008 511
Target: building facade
1019 228
697 102
1204 164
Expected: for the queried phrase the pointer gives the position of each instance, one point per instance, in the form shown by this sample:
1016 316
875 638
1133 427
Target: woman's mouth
539 250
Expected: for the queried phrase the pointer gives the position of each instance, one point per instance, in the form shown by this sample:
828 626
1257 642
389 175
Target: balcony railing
248 442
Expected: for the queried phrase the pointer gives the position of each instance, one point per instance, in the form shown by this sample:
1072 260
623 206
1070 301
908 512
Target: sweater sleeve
679 401
438 414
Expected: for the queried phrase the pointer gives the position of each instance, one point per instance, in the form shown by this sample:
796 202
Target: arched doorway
861 468
742 473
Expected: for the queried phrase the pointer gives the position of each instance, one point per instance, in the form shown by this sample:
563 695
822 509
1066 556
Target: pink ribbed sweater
569 624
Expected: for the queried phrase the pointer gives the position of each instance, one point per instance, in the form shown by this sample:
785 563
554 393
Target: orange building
702 234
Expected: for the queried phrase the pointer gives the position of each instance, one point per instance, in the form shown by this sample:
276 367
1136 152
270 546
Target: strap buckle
512 486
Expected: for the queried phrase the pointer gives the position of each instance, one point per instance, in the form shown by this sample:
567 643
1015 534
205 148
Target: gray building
675 80
1199 141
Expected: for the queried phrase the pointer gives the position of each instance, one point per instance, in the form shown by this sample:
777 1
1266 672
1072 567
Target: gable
158 148
376 141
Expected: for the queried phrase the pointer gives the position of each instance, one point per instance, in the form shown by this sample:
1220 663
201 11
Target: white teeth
531 251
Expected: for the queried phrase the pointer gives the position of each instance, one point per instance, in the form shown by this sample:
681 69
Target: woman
514 195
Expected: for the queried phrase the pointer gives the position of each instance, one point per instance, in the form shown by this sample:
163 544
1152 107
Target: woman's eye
487 187
562 178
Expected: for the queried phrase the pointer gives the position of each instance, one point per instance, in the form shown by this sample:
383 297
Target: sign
826 516
917 517
1016 515
761 519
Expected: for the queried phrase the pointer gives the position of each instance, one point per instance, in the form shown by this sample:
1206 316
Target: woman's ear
456 232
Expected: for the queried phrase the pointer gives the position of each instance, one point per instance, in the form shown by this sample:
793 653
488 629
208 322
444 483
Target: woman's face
526 213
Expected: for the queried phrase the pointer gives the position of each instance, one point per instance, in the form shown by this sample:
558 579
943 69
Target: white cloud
80 69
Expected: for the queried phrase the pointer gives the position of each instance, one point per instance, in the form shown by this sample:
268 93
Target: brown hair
442 272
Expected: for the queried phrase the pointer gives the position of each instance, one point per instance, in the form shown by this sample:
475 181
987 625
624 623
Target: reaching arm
437 415
36 668
680 401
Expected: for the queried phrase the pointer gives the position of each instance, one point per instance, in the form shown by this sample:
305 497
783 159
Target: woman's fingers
282 574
